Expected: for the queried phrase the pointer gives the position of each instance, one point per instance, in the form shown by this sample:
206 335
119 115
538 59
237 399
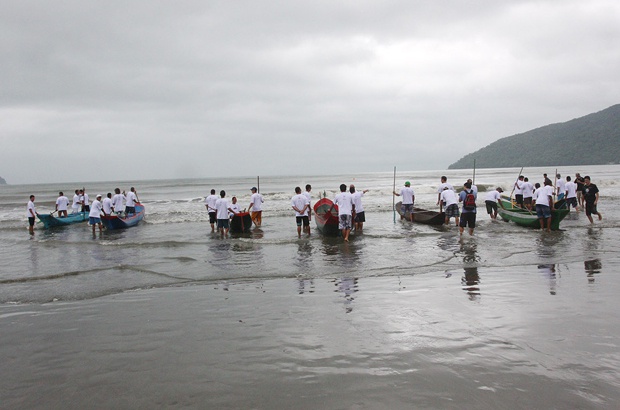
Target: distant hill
590 140
2 181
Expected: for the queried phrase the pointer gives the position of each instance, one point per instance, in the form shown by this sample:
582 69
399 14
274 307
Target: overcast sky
109 90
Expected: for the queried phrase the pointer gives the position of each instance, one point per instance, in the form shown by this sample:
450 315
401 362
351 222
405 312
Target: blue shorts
94 221
543 211
406 208
130 209
222 224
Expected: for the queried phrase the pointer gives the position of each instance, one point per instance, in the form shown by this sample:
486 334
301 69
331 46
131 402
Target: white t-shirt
407 194
528 189
256 200
571 189
210 202
131 199
222 208
307 195
235 208
493 196
117 202
519 187
85 198
107 205
62 203
561 186
449 197
475 189
357 201
542 195
344 200
443 185
76 201
299 201
95 209
29 208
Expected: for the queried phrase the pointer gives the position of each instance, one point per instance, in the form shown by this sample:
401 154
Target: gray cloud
206 88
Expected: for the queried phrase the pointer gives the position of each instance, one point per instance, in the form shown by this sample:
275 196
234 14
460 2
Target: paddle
394 196
514 185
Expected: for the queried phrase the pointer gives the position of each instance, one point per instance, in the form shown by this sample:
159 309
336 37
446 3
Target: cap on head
499 189
407 183
253 189
98 195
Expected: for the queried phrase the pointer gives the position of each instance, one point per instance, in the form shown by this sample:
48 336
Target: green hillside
590 140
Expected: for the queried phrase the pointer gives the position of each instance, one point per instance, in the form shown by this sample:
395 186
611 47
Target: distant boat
326 218
527 218
423 216
117 222
241 223
50 221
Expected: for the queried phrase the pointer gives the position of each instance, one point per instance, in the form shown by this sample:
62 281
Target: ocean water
403 316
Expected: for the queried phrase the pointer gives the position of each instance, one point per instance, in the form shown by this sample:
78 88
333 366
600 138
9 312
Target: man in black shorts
590 197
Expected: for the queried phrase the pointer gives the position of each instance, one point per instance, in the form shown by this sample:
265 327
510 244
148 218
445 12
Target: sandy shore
528 337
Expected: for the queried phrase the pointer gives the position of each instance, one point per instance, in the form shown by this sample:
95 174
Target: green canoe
524 217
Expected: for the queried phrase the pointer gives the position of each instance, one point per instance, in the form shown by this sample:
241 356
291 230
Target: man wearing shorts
528 193
31 213
301 204
360 216
408 200
571 194
344 200
491 201
519 191
210 204
449 199
94 215
544 202
590 197
468 212
256 207
223 209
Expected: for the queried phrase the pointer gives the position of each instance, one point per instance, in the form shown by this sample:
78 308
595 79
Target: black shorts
491 207
591 209
130 209
360 217
212 217
468 218
519 199
302 220
31 220
222 224
527 201
572 202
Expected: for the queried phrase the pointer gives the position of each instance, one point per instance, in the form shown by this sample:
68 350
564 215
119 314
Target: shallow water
403 316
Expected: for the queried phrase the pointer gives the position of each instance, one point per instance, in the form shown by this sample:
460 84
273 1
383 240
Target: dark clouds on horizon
204 88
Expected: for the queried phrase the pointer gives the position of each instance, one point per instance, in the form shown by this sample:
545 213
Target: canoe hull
326 221
115 222
423 216
241 223
50 221
523 217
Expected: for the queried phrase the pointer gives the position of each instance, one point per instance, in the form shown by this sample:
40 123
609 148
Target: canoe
423 216
523 217
241 223
50 221
117 222
326 220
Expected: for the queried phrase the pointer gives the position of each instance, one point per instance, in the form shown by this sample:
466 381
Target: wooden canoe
117 222
50 221
326 220
423 216
241 223
524 217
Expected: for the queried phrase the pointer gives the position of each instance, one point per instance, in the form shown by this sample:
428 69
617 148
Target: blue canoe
50 221
117 222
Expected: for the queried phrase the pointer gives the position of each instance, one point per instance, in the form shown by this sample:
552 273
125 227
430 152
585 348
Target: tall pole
258 184
473 180
394 196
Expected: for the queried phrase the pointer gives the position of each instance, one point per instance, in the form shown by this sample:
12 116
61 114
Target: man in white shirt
528 193
256 207
309 196
544 203
449 199
94 215
571 194
62 204
234 207
31 213
210 204
473 187
301 204
131 199
222 207
560 187
107 204
408 200
117 201
492 200
84 200
360 216
344 200
444 184
519 190
75 207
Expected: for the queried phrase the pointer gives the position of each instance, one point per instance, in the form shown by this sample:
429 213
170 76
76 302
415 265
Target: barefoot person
223 209
544 204
408 200
31 212
210 205
344 200
590 197
360 216
444 184
468 213
491 201
450 201
256 207
62 204
94 215
301 204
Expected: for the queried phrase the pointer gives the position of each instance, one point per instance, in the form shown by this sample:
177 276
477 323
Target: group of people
121 204
350 210
221 211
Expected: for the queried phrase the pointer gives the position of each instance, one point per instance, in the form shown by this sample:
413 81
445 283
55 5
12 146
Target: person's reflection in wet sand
593 266
548 270
470 282
348 286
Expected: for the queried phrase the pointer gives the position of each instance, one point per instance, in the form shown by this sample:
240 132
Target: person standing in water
256 207
31 212
408 200
590 197
301 204
344 200
360 216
